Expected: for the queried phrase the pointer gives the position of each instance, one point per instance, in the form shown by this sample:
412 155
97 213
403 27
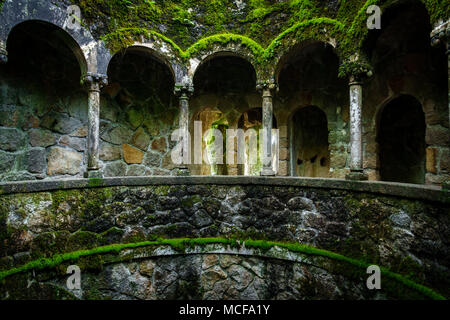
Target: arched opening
225 86
43 107
401 140
405 64
141 113
251 124
225 74
308 79
310 155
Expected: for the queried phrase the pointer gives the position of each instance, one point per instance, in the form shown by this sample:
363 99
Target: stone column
3 53
356 154
267 90
93 83
440 37
184 92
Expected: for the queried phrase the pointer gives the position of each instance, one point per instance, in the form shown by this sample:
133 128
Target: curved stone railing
412 191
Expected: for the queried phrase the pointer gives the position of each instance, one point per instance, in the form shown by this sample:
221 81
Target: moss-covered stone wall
407 236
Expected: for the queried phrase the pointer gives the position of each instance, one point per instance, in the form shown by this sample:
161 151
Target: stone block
132 155
63 161
284 154
283 169
81 132
437 136
338 160
283 131
60 123
115 169
109 152
159 145
136 170
41 138
152 159
431 160
78 144
36 160
11 139
140 139
6 161
118 135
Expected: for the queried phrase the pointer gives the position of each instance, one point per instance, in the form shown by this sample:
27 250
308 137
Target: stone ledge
412 191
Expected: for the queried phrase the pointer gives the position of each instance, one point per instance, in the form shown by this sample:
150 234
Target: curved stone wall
210 272
403 227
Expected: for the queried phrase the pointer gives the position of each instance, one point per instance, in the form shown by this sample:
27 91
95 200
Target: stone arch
92 54
308 139
198 59
158 55
296 49
401 140
227 58
327 31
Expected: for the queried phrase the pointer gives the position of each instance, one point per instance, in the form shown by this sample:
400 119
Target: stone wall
406 233
213 273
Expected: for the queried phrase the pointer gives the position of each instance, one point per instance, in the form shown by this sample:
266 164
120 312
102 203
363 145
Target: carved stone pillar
3 53
440 37
93 83
267 90
184 92
356 152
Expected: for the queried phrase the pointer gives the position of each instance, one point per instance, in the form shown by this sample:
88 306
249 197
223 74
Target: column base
267 172
357 175
93 173
182 172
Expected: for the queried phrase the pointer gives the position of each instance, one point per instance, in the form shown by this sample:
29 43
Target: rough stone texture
41 138
404 235
206 277
36 160
132 155
109 152
141 139
64 161
78 144
118 135
11 139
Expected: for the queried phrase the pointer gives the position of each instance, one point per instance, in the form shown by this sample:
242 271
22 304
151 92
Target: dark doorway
309 143
401 139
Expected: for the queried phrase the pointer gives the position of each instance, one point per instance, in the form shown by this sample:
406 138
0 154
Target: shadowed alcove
309 143
401 139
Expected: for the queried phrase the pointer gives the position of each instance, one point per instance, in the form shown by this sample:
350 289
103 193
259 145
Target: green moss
181 244
128 21
95 182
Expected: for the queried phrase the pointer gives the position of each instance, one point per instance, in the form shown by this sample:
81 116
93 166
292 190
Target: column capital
267 88
355 70
183 90
94 81
440 35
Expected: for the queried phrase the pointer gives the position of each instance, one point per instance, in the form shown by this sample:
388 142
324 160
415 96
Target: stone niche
43 108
